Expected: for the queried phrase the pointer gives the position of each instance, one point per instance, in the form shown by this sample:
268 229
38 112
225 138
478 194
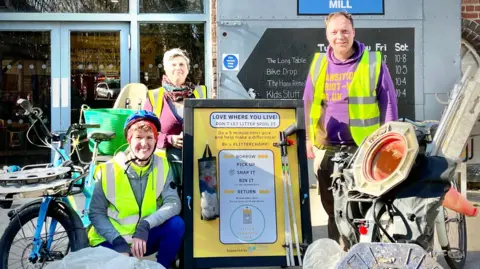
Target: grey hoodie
171 204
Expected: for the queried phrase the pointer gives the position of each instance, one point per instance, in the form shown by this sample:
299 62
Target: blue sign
230 62
324 7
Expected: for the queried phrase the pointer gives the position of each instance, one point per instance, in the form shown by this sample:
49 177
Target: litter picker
288 197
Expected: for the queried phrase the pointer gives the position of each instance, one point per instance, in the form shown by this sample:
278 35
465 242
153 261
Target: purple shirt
335 119
170 124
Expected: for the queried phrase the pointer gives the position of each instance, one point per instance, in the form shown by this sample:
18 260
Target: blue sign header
324 7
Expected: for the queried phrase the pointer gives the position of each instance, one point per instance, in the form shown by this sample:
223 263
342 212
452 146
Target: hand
140 238
177 141
138 247
310 154
126 254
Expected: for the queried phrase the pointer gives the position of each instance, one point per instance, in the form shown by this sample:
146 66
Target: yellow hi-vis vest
123 211
156 97
363 108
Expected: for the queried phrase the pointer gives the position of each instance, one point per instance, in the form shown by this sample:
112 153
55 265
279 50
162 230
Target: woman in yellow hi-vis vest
349 93
167 103
135 204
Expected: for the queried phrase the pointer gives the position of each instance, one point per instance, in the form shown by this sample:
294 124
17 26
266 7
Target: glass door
58 67
29 70
95 67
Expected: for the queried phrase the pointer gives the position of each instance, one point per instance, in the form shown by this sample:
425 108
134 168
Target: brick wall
471 10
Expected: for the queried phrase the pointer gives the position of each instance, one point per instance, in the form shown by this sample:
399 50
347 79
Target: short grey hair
176 52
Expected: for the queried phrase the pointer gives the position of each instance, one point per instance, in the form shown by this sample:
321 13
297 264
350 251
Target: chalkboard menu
278 66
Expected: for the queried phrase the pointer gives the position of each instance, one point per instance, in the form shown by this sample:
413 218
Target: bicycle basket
110 119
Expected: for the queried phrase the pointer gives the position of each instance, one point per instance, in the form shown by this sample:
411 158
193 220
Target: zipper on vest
143 198
139 215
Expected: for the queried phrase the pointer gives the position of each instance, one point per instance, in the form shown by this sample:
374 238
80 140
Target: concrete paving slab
319 227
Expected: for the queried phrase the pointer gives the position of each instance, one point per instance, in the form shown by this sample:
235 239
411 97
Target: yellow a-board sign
243 180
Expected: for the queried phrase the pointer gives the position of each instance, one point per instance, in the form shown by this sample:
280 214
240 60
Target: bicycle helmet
140 116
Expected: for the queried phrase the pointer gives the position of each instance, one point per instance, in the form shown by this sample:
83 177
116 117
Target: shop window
95 75
65 6
171 6
25 73
156 39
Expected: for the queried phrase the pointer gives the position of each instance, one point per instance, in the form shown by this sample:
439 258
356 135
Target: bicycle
369 217
57 182
454 256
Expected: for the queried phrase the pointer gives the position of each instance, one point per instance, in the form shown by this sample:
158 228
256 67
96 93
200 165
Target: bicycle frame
441 232
372 227
370 217
89 185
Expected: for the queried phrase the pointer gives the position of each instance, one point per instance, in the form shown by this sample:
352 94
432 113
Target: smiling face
142 140
340 34
176 70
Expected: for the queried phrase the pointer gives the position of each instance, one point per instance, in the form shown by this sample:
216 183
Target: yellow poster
249 185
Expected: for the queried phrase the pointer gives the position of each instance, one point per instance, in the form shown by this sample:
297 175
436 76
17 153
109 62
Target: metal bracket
230 23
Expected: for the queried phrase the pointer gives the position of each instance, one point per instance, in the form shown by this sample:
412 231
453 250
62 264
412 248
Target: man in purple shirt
334 125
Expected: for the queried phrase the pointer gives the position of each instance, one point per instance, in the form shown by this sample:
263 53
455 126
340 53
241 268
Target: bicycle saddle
102 136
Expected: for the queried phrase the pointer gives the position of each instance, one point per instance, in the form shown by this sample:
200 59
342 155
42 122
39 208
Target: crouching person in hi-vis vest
348 94
135 204
167 103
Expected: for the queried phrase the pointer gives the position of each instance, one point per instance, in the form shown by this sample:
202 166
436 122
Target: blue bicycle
54 218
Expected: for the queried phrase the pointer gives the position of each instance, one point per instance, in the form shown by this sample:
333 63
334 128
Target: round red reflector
362 230
385 157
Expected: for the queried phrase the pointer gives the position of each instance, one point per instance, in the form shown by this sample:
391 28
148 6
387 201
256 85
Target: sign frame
189 261
331 10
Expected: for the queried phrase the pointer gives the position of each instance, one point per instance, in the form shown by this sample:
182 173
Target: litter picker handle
291 130
283 147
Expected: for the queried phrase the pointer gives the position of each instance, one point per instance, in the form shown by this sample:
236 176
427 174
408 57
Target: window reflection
65 6
156 39
95 70
25 73
95 74
171 6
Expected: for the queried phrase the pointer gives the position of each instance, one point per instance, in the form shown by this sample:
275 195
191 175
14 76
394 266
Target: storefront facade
62 54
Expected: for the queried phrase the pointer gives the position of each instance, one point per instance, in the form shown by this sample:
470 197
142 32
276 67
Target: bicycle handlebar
77 127
35 113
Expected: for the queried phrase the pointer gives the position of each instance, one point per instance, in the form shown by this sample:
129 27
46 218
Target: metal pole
288 232
288 240
289 183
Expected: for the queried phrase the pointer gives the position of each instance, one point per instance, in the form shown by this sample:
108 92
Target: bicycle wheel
15 251
456 228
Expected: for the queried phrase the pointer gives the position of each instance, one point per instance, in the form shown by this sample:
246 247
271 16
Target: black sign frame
188 176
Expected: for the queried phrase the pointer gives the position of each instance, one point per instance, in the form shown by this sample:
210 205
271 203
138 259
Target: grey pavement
319 222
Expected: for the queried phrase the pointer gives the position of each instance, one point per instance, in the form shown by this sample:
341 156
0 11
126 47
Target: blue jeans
165 239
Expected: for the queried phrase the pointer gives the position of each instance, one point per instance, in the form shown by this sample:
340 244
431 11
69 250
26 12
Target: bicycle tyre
55 211
462 238
454 263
